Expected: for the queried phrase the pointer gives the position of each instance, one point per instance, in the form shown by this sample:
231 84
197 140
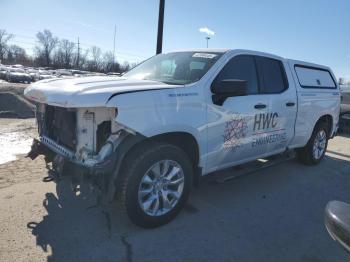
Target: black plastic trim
136 91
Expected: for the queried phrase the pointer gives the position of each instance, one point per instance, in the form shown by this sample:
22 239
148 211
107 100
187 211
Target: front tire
157 180
316 148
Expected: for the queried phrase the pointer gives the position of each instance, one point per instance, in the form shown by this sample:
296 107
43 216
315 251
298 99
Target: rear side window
272 76
310 77
241 67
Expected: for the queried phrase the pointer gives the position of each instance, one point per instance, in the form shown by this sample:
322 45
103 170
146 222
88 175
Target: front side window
271 75
177 68
241 67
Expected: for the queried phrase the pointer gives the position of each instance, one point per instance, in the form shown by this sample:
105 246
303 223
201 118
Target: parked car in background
345 98
18 66
345 108
18 75
3 72
63 73
44 74
79 73
34 74
114 74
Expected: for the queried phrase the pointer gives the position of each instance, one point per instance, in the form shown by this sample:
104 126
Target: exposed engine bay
78 133
59 124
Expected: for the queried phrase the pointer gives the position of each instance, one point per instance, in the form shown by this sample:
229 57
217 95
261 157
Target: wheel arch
186 141
328 121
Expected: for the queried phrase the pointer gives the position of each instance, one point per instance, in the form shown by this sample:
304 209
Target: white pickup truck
149 135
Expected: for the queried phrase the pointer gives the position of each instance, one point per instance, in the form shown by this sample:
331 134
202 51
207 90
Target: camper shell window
313 77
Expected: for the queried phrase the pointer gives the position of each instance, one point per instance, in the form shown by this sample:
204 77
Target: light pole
160 27
207 38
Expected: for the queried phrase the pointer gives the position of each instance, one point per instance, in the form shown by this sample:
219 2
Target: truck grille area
60 126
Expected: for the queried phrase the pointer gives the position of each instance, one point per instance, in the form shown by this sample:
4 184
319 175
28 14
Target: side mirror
228 88
337 221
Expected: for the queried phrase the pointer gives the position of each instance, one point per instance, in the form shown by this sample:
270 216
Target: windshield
178 68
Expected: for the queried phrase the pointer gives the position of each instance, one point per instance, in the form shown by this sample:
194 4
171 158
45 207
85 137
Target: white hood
87 91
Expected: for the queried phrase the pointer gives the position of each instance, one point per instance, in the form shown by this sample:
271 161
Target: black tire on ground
305 154
136 165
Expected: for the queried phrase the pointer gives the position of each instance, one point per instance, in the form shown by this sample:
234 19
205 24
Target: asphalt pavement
275 214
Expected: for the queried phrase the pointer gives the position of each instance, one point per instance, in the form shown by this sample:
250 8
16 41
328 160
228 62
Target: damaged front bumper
51 150
101 170
99 176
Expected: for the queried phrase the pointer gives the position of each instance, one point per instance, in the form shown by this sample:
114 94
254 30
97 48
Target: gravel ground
272 215
16 136
12 102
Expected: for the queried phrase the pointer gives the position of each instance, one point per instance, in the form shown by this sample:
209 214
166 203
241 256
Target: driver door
233 125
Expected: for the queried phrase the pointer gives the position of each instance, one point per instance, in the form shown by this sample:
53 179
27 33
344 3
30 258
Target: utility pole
207 38
160 27
78 57
115 31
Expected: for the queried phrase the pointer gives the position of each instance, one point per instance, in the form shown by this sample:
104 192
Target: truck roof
252 52
200 50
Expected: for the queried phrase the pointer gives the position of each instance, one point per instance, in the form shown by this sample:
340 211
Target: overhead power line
124 55
29 42
24 36
23 42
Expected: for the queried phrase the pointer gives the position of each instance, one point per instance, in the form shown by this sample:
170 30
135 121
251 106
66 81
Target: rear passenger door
275 129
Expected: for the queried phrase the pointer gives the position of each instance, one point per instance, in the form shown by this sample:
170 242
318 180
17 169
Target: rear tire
143 187
315 149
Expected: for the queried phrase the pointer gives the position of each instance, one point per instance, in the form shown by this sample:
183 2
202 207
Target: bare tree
4 38
50 51
95 63
63 56
17 55
83 60
46 44
108 61
126 66
67 48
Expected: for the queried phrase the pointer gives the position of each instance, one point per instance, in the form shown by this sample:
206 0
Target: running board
250 167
